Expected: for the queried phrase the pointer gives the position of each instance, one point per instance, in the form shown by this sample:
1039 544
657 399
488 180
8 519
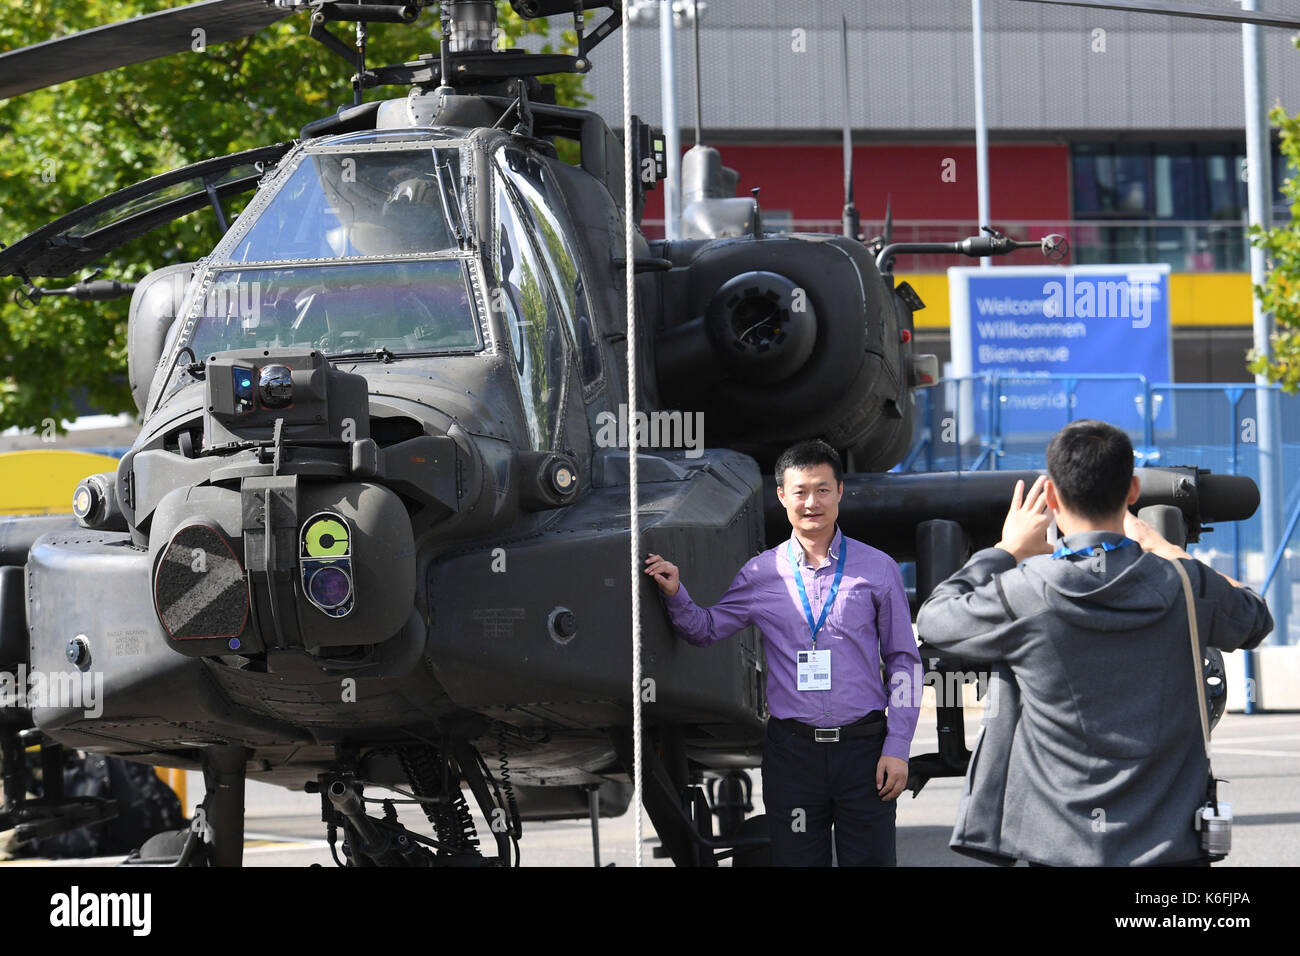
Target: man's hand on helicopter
891 777
664 572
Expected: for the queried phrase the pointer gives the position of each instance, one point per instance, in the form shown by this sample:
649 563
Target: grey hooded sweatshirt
1091 754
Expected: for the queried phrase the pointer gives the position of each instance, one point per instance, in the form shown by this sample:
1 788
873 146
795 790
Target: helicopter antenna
362 34
695 39
444 43
850 218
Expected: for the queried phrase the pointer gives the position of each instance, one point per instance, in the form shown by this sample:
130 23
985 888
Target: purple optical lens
330 587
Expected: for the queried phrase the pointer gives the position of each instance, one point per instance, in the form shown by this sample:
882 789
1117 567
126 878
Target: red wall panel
1025 181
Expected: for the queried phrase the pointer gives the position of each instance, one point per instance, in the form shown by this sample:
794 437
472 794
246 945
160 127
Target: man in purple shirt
830 610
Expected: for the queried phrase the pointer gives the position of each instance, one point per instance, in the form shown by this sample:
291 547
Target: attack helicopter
374 530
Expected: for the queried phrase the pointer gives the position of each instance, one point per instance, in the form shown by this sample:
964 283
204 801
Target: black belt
872 725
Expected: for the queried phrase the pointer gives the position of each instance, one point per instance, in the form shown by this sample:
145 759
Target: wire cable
629 290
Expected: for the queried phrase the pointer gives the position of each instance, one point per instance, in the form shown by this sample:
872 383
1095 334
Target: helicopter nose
280 563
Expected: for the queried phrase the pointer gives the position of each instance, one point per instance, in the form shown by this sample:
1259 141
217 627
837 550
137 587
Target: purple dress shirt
869 622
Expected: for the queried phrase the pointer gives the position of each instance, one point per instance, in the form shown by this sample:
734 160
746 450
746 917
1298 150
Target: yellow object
175 779
1195 298
326 538
42 481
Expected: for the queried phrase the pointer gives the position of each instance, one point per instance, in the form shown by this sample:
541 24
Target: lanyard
803 592
1065 552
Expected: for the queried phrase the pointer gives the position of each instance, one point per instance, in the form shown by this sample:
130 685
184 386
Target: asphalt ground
1259 755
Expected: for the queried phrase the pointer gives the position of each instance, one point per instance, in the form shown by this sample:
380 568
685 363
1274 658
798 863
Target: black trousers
810 788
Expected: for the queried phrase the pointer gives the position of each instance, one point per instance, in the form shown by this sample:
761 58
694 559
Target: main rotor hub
473 26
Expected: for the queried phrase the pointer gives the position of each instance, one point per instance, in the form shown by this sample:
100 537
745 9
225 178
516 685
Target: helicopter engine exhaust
782 336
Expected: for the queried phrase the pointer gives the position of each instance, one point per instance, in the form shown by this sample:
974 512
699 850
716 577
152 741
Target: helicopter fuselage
442 307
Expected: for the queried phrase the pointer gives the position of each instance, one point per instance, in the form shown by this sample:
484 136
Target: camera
1214 823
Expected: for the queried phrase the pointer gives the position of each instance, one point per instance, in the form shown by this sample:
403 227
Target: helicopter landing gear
434 775
941 549
215 837
731 798
223 805
593 809
679 809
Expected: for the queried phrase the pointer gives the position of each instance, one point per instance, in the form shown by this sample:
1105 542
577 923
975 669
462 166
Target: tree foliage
71 144
1280 292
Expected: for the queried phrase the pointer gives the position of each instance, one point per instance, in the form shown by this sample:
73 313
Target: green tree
1280 292
68 145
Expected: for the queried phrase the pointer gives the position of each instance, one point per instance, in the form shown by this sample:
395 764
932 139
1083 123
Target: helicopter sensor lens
275 386
325 537
330 587
83 500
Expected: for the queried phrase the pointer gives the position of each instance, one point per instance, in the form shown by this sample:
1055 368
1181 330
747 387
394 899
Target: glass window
1086 188
1164 186
1223 174
1186 188
1111 183
160 197
1132 185
411 306
341 205
543 205
532 322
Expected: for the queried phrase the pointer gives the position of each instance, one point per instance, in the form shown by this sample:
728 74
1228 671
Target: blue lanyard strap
803 591
1065 552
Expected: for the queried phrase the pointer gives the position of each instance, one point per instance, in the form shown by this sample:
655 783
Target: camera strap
1211 785
1196 655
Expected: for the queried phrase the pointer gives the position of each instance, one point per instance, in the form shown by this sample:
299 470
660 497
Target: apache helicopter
374 528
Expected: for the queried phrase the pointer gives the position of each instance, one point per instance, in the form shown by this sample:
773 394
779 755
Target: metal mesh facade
772 70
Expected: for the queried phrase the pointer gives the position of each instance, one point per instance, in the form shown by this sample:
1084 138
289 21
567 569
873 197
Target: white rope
634 519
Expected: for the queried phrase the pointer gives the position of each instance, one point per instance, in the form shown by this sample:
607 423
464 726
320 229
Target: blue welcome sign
1025 323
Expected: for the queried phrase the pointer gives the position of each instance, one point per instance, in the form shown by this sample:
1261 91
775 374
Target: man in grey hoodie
1094 756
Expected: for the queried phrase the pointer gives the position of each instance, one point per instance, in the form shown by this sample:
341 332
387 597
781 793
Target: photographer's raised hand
1024 532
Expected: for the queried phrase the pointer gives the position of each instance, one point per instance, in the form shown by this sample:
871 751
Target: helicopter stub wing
74 241
105 48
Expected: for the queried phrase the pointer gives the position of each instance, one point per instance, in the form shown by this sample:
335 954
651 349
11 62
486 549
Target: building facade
1123 131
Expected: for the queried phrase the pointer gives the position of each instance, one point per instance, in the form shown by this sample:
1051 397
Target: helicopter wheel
730 801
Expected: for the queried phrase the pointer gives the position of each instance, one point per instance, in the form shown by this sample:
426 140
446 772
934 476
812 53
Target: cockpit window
348 205
532 322
410 306
543 205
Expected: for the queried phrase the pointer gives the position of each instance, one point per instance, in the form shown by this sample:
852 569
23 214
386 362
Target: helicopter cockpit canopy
350 203
419 305
85 235
358 246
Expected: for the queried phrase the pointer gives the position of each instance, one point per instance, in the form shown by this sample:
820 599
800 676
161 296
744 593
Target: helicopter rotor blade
105 48
1196 13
